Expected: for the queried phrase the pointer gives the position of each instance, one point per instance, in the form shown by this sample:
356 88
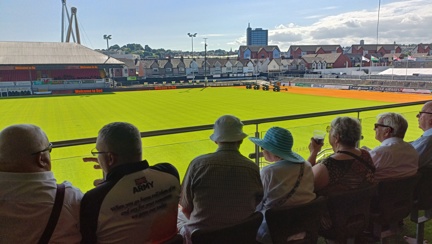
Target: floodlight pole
107 38
205 58
192 37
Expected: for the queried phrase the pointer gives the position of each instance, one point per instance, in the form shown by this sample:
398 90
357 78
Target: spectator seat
243 232
422 202
392 204
284 222
349 213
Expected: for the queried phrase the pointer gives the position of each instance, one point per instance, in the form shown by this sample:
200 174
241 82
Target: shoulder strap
55 214
359 159
296 185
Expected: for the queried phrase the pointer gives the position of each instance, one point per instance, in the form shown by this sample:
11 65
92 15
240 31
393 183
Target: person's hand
365 148
92 159
314 147
96 166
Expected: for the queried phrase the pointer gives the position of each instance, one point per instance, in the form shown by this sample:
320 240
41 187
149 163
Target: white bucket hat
228 128
279 141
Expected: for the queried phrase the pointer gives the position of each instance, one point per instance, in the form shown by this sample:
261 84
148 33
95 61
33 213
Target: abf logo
142 184
140 181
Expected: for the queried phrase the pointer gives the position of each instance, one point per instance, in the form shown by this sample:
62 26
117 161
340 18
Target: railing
180 145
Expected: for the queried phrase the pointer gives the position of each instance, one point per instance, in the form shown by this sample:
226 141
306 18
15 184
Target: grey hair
348 129
122 138
395 121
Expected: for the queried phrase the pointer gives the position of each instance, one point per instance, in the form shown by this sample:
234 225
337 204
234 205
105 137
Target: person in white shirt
423 144
394 158
28 189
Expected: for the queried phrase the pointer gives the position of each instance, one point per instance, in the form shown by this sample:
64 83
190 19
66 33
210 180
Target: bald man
423 144
28 189
136 202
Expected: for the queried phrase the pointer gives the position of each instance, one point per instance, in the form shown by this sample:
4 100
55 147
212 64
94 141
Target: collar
391 140
35 176
428 132
125 169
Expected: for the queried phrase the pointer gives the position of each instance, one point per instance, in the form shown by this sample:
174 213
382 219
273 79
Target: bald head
427 107
18 144
425 116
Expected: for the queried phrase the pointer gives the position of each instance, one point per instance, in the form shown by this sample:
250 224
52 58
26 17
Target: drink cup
318 136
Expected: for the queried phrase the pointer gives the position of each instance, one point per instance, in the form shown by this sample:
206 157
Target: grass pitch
73 117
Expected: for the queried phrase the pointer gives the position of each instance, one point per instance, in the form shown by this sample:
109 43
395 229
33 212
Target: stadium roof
49 53
409 71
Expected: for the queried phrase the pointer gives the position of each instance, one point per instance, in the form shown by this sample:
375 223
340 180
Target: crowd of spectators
140 202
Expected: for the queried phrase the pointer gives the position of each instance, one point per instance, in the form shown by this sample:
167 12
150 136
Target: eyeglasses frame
49 148
95 152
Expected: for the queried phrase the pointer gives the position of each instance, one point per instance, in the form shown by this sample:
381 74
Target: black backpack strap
55 214
359 159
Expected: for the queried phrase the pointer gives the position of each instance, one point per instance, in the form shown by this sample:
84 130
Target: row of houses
216 67
298 51
269 59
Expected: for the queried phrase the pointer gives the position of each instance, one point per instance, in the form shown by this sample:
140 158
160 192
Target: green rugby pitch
81 116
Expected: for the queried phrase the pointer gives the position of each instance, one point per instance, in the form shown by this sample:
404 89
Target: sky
165 23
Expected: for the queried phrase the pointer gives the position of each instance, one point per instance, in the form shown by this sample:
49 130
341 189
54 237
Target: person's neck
345 148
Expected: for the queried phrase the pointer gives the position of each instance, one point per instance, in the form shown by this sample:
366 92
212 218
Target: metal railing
256 122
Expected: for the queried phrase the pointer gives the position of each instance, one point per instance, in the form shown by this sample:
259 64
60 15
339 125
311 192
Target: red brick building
378 49
423 48
297 51
259 52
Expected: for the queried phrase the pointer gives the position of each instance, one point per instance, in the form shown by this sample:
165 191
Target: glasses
95 152
49 149
381 125
421 112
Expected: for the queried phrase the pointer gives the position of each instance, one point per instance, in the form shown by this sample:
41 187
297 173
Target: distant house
129 69
298 51
378 49
326 61
294 64
148 67
423 48
259 52
178 66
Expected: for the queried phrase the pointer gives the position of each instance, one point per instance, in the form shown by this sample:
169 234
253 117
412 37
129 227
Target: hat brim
228 138
290 156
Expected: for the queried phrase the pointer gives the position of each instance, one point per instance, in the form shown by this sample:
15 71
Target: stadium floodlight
107 38
192 37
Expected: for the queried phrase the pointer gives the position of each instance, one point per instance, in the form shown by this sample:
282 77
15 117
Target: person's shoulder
203 158
166 168
71 192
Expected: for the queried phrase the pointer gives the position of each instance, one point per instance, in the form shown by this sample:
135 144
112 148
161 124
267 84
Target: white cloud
403 22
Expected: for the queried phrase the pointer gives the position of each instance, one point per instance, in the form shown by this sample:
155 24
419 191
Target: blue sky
165 23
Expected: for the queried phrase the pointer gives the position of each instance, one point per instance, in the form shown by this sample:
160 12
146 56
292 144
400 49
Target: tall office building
256 37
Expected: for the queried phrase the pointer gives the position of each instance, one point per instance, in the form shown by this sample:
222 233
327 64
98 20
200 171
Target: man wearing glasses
29 192
423 144
136 203
394 158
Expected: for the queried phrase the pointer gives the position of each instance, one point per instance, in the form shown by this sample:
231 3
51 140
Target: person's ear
43 161
336 137
112 159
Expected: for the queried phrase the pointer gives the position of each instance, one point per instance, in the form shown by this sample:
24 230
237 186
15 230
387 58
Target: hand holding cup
318 136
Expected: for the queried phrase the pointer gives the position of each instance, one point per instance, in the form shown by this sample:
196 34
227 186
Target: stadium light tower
192 37
107 38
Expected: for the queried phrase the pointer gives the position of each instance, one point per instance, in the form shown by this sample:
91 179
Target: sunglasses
381 125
